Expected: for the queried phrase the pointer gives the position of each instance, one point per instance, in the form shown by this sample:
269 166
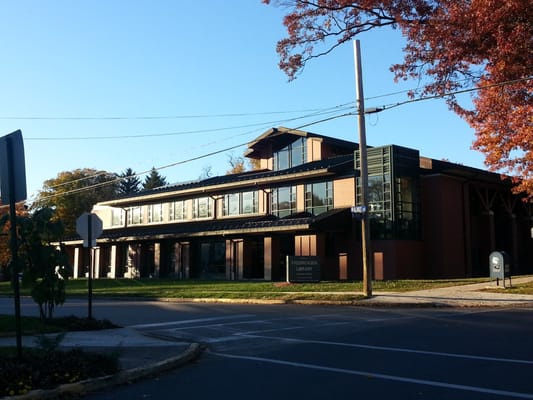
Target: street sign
12 168
358 209
89 227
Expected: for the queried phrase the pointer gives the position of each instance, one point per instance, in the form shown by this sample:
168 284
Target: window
284 201
155 212
117 217
250 203
240 203
318 197
292 155
177 210
135 215
231 204
202 207
406 208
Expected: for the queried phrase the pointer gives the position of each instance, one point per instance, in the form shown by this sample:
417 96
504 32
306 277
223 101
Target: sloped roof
281 137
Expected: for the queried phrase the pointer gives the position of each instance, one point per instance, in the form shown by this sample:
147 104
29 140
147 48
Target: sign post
89 227
13 188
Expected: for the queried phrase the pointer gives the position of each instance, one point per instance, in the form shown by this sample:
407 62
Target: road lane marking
189 321
395 378
398 349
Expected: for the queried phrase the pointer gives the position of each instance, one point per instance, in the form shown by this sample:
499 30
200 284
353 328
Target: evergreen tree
129 183
154 180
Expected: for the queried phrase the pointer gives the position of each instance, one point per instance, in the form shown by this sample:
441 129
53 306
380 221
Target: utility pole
365 226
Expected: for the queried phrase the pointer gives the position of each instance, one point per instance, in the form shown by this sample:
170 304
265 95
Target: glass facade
135 216
291 155
117 217
177 210
284 201
393 196
155 212
202 207
318 197
240 203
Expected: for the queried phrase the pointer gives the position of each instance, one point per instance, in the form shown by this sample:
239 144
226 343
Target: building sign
303 269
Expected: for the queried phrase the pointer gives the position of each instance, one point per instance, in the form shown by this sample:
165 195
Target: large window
202 207
393 195
240 203
284 201
318 197
117 217
135 215
155 212
406 208
232 204
292 155
177 210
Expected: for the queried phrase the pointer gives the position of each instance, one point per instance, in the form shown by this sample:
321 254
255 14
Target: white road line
398 349
384 376
189 321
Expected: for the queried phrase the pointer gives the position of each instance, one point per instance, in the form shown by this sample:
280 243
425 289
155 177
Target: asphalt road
333 352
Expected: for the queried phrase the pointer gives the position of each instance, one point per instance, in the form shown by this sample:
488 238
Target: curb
192 353
370 302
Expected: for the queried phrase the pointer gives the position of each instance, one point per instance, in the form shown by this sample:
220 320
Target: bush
41 369
47 366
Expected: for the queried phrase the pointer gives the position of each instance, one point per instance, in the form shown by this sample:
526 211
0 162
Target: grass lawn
169 288
525 288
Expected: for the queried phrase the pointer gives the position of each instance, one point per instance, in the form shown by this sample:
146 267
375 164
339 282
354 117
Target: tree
129 183
5 251
44 264
207 172
237 165
452 45
154 180
72 193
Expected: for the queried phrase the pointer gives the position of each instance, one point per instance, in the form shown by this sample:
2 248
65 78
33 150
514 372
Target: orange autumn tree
451 45
5 251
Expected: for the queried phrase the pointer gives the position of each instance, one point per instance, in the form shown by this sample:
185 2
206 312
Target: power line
156 117
341 107
440 96
376 109
118 179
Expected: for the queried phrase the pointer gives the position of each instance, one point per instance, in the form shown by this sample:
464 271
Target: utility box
500 267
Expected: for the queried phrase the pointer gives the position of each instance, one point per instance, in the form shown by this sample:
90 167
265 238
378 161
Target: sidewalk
456 296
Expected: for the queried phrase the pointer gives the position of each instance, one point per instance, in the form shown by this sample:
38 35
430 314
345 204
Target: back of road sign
89 227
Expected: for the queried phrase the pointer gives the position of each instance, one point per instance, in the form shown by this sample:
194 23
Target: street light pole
365 226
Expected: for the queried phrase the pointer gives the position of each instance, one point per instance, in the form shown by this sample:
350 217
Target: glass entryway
212 260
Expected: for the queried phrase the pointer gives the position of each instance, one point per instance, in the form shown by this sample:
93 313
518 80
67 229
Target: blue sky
81 78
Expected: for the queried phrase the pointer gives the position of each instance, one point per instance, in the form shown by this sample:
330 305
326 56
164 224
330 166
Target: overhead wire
376 109
208 130
118 179
155 117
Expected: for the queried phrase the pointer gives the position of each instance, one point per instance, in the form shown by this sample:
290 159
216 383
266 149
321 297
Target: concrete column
238 248
186 259
267 274
96 263
157 260
77 260
229 260
112 262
